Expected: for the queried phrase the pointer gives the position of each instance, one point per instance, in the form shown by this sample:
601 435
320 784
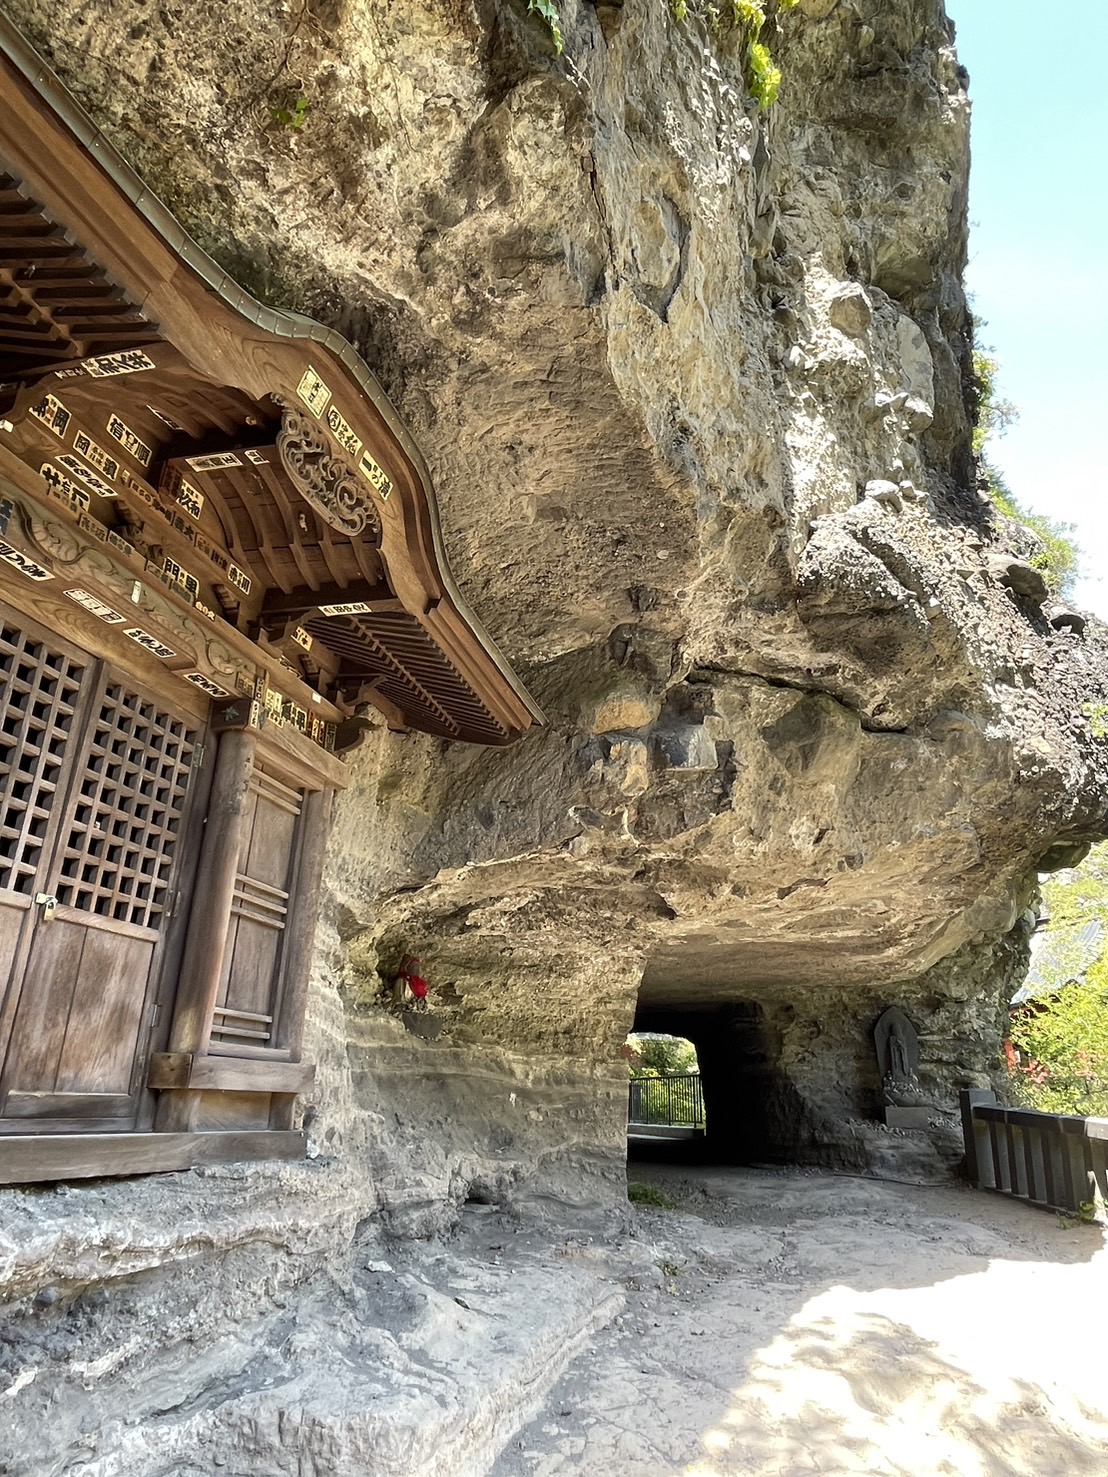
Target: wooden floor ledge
26 1159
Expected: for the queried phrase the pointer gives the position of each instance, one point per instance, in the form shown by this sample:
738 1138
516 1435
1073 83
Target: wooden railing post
1098 1147
979 1170
1058 1161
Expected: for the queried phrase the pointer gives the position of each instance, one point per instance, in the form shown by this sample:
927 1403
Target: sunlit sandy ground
801 1323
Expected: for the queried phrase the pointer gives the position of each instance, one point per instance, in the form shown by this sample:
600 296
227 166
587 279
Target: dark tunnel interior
751 1111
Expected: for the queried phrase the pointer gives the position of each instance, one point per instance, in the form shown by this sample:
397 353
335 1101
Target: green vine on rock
547 11
763 75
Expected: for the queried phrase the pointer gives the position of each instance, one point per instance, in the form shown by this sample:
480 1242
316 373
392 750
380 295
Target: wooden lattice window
41 690
117 858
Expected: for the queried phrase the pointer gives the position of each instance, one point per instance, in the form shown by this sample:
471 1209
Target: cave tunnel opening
665 1100
738 1060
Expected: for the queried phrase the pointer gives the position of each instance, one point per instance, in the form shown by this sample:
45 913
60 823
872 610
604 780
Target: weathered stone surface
909 1118
803 750
416 1364
1065 619
850 310
883 491
1019 577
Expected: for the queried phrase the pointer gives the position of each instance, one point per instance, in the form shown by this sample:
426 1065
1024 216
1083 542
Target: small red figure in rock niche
409 981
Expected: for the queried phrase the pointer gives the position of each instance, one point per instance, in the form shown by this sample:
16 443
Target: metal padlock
49 905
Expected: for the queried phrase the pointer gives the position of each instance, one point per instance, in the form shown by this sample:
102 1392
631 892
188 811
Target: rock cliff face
694 384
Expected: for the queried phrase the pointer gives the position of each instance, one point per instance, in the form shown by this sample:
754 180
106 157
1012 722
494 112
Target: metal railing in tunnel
673 1101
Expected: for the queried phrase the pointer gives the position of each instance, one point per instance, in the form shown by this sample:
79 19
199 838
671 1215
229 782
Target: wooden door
247 1016
94 783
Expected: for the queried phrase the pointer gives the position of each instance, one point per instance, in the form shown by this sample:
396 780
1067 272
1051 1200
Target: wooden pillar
300 938
209 921
977 1171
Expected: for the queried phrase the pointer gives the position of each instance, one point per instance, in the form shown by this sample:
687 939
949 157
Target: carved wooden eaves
244 458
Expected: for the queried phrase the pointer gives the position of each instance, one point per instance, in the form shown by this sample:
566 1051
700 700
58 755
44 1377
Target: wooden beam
177 1070
30 1160
67 1104
279 605
298 760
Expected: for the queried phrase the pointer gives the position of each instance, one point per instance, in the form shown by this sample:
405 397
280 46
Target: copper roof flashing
239 462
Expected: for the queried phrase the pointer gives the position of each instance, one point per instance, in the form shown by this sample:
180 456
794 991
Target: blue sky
1038 275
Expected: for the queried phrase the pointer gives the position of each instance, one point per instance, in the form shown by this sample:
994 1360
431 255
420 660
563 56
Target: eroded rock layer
694 384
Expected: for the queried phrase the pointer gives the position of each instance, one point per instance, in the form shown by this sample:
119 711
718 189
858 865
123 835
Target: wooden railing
1047 1159
675 1101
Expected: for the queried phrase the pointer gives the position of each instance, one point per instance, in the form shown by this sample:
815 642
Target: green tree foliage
1079 894
1062 1041
660 1056
1057 555
993 415
1064 1050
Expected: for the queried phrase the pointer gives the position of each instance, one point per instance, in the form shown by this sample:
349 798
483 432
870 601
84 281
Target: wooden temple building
218 548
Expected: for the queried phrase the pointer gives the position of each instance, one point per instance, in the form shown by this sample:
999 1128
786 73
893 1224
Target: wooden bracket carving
322 479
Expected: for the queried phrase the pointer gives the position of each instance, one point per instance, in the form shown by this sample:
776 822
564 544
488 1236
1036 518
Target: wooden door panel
79 1018
13 916
102 1036
251 966
45 1004
93 785
248 1001
269 848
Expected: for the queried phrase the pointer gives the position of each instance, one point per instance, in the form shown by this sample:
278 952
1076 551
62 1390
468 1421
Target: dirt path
803 1323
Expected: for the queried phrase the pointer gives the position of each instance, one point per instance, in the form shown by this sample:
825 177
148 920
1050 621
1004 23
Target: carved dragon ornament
329 484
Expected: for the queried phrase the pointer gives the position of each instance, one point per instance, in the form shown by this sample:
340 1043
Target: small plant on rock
1088 1214
650 1195
763 76
294 116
